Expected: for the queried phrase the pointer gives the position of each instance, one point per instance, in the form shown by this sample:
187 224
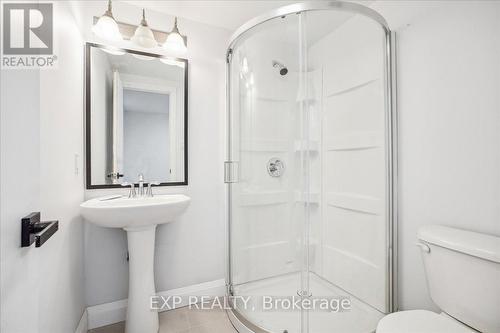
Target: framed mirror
136 117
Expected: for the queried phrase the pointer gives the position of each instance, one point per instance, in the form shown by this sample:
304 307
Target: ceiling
227 14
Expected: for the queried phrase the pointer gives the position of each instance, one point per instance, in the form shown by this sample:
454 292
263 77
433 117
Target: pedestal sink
139 218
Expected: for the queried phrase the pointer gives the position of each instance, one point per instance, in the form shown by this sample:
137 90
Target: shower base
361 318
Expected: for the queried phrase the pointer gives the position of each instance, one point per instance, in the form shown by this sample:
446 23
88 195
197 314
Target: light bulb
143 35
106 26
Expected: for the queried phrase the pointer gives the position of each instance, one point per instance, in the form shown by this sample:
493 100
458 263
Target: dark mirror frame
88 105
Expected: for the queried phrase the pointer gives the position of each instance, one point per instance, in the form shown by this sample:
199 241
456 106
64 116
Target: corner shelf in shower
301 197
304 145
265 146
264 198
277 198
355 202
307 100
351 88
359 140
272 99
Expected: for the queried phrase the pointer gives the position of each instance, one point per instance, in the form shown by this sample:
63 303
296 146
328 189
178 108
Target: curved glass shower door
309 171
266 227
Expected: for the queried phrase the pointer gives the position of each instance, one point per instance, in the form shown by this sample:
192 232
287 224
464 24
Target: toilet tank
463 274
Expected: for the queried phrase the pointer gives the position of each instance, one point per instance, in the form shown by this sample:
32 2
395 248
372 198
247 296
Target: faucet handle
149 193
141 177
132 193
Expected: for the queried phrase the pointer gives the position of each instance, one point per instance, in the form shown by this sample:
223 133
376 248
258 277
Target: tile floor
184 320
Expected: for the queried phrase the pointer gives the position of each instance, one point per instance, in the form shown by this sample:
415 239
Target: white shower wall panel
351 250
265 248
265 227
271 120
358 110
355 173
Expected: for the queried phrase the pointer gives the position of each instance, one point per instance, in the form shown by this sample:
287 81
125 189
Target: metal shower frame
238 319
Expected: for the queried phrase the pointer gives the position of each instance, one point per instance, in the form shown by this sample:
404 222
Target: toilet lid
420 321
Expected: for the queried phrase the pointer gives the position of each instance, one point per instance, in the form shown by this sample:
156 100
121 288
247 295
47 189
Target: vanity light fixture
106 26
175 41
143 36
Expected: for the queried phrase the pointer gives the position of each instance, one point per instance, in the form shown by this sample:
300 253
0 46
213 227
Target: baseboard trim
114 312
83 326
106 314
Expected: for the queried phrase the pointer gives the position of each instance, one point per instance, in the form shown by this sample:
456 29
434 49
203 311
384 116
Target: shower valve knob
275 167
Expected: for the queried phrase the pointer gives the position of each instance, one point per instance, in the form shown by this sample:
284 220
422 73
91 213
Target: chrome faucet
132 192
141 185
141 192
150 189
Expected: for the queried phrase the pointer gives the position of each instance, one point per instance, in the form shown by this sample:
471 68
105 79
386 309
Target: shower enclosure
310 170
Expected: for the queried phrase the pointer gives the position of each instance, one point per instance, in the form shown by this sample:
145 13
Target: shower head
282 68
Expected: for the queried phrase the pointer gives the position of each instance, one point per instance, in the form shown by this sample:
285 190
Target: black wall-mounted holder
35 231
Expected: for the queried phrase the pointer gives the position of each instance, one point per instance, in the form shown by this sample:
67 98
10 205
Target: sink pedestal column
141 286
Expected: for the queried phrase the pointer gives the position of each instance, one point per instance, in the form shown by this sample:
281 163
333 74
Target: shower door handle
230 172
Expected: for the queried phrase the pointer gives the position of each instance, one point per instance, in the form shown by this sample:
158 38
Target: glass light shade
175 43
107 28
144 37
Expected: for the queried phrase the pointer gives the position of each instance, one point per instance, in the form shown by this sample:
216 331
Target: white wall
449 116
41 131
20 178
191 250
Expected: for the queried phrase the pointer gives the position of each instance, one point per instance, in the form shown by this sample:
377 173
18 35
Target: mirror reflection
136 110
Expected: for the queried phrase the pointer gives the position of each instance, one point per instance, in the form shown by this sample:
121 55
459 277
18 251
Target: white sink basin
134 212
139 217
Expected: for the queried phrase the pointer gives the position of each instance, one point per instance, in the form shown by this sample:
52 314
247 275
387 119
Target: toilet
463 276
